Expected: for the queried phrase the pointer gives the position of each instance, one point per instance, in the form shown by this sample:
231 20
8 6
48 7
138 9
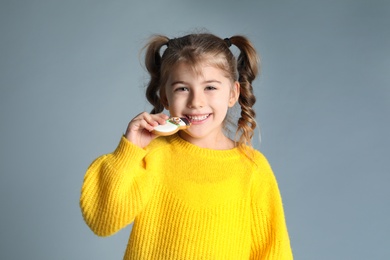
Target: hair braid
153 66
247 66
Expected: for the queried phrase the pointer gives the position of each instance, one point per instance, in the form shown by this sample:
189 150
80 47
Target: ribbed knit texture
186 202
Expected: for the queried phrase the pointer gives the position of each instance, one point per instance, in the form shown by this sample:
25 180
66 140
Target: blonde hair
194 49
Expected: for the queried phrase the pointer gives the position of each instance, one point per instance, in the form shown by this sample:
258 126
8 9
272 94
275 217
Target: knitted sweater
186 202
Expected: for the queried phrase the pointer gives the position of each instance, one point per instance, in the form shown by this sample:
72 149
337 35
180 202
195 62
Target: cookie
171 126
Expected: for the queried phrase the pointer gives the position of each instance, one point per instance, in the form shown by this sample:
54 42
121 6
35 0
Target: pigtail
153 66
247 66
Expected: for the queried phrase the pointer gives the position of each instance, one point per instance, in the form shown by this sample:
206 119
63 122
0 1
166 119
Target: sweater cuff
127 153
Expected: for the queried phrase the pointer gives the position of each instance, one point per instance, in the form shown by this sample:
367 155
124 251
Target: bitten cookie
171 126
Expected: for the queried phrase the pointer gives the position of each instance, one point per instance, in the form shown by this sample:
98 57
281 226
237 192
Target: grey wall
71 79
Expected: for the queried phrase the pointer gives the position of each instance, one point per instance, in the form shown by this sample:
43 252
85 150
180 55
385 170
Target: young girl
195 194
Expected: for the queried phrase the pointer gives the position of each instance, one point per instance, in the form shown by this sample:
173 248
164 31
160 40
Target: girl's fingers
156 119
143 124
161 118
148 121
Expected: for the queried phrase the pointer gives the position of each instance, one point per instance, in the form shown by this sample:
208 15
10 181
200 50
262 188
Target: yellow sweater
186 202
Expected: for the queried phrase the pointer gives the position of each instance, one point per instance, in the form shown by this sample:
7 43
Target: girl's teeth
198 118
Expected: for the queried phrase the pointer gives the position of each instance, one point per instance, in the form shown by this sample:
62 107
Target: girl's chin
190 135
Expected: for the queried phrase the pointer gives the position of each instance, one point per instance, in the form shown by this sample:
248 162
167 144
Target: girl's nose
196 100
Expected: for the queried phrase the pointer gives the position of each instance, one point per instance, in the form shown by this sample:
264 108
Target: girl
196 194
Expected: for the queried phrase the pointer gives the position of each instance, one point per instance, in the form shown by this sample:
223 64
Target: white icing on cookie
171 126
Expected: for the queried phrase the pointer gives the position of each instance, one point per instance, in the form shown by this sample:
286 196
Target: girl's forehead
198 67
199 70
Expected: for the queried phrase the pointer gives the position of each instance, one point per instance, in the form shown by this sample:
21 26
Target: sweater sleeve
270 238
115 189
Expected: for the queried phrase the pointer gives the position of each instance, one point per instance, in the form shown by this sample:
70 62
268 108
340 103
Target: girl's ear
234 94
164 100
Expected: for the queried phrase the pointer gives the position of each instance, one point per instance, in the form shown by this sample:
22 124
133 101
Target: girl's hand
139 129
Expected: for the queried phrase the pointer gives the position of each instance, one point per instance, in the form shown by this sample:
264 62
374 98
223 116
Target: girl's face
204 98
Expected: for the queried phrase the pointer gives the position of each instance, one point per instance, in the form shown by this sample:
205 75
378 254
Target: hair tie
168 42
228 42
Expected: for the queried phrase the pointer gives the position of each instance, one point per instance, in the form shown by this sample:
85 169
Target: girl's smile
198 119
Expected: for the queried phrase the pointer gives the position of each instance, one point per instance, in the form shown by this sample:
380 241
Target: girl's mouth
197 118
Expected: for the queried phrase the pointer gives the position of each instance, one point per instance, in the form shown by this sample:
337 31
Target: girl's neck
220 142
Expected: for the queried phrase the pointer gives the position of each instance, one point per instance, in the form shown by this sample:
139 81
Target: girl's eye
210 88
180 89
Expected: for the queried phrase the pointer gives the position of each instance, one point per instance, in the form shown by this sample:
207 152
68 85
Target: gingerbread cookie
171 126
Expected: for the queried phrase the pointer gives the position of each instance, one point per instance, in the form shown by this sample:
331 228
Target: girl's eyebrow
178 82
212 81
204 82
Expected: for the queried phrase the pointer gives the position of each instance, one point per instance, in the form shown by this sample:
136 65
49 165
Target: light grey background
71 79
